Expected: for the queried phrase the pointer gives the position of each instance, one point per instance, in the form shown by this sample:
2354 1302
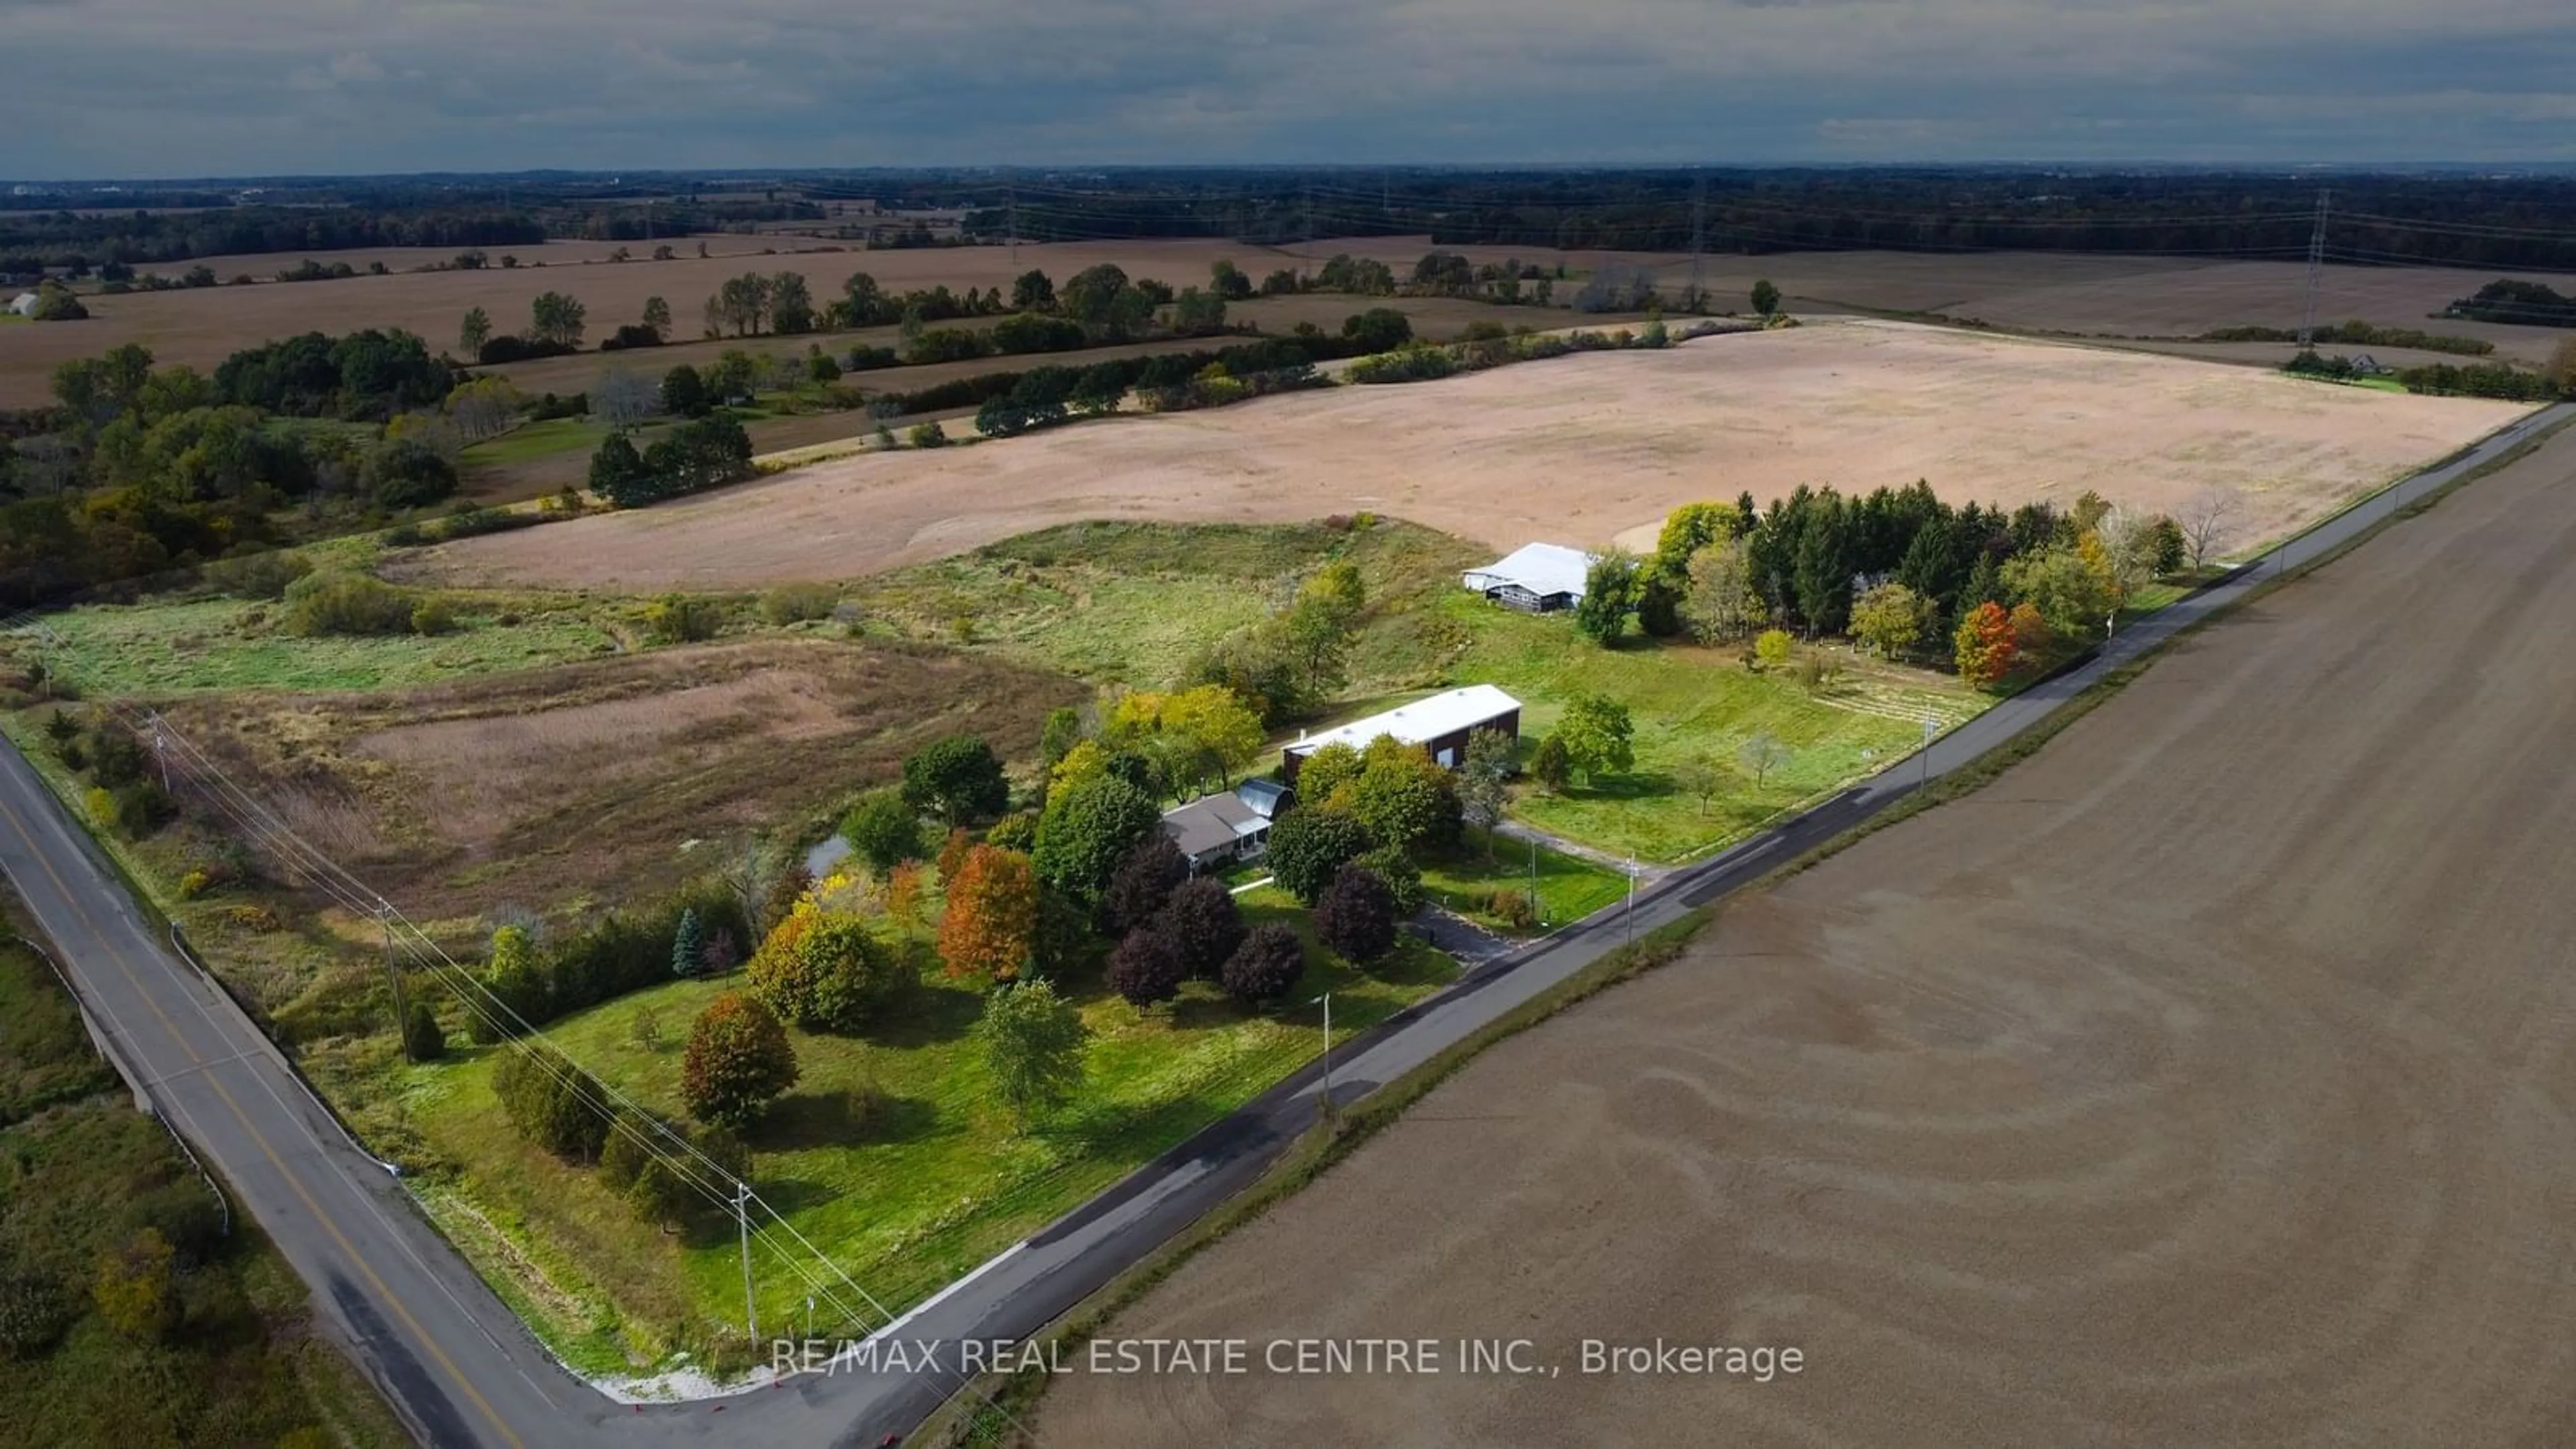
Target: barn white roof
1420 722
1541 568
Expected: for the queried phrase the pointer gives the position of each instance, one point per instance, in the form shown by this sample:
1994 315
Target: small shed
1537 578
24 304
1215 831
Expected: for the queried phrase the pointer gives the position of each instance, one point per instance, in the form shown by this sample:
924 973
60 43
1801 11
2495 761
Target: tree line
1898 570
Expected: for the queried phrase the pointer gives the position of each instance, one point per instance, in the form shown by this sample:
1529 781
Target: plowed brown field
1576 450
2206 1080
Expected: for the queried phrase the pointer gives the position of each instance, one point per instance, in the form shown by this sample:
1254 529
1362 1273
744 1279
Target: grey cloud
162 87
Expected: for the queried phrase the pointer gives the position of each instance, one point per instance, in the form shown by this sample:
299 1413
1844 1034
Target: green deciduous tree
1033 1042
473 332
1551 765
1719 601
739 1061
957 779
1086 829
883 830
1762 754
1310 845
1609 593
1889 619
556 318
1766 298
1597 734
1484 781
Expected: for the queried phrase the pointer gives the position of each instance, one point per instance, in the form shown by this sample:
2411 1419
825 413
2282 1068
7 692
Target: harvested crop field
1578 450
2204 1080
204 326
593 779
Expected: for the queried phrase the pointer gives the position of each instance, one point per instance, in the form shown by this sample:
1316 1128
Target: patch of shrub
679 619
263 575
798 603
346 603
432 616
552 1102
509 348
34 1314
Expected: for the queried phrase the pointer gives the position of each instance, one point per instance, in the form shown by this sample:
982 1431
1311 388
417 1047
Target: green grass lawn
939 1181
193 646
532 441
1569 887
1686 701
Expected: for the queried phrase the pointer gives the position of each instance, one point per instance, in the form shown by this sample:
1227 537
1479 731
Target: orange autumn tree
991 922
1987 649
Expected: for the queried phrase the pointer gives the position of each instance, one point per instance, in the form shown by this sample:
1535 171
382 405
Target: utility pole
393 976
1630 915
161 751
742 1221
1535 903
2316 270
1327 999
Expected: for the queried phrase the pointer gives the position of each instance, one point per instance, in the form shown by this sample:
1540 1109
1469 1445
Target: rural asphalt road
460 1368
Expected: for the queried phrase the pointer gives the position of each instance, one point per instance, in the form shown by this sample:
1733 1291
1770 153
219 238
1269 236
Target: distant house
1440 724
1538 578
24 304
1215 831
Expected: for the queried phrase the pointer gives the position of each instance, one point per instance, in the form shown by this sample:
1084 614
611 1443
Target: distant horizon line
23 186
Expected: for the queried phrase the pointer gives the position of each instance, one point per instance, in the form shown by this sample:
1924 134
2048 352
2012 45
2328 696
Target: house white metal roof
1541 568
1420 722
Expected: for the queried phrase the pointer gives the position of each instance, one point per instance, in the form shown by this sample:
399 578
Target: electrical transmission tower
2316 271
1699 243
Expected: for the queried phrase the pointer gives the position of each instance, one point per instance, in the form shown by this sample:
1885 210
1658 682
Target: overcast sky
212 87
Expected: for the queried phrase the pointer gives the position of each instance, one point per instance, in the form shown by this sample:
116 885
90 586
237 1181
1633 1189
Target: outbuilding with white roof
1440 724
1537 578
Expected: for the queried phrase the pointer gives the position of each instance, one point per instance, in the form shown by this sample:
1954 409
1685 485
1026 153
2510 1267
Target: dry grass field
2205 1080
591 780
1578 450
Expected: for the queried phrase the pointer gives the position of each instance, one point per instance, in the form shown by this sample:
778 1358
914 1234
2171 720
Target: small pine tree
688 945
423 1039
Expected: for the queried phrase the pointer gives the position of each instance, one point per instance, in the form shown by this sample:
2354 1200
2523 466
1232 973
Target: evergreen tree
1824 566
688 945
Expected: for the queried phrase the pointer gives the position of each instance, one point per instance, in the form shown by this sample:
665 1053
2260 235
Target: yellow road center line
73 899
